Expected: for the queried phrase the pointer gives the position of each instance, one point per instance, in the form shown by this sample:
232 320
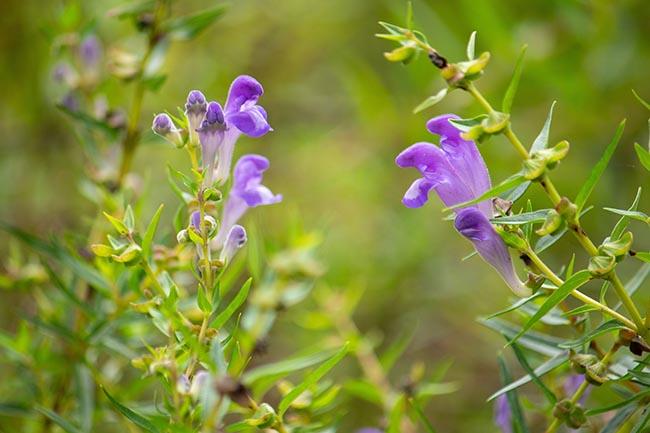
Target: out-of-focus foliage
340 116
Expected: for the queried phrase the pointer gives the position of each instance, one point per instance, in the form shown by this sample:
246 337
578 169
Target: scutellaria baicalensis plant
495 218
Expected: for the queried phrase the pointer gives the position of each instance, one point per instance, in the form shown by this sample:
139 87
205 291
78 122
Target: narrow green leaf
509 97
550 396
578 279
536 341
643 256
637 215
642 422
599 168
85 390
518 422
641 100
395 350
285 366
541 142
520 302
131 415
57 419
418 409
188 27
129 218
621 417
538 216
117 224
471 46
548 366
620 404
147 239
609 326
643 155
507 184
396 415
237 302
311 379
431 101
624 221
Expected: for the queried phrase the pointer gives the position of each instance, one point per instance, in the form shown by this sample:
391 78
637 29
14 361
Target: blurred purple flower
221 127
369 430
90 51
502 414
572 384
457 173
247 191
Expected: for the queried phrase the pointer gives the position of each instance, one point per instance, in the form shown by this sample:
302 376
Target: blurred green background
341 114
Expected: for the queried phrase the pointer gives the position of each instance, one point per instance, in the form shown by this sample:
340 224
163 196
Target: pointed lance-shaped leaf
509 97
541 142
599 169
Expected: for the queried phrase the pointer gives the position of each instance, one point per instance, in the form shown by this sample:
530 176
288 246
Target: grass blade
237 302
132 416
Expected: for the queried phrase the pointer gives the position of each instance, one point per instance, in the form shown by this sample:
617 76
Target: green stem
577 230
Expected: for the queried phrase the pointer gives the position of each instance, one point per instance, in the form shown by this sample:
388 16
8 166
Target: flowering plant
496 219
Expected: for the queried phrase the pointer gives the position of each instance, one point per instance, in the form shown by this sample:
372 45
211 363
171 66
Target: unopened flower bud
164 126
551 223
195 109
235 240
182 237
596 374
601 265
580 361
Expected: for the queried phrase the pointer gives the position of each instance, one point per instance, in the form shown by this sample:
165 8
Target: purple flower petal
432 162
244 90
502 414
195 220
474 225
247 191
418 193
251 121
464 156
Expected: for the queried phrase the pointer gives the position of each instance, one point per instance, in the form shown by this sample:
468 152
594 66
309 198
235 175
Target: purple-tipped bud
164 126
90 51
195 220
196 102
64 74
235 240
214 114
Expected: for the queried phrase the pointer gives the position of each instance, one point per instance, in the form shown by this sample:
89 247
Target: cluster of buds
571 413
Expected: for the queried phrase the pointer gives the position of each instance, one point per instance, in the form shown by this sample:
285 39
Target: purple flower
221 128
247 191
90 51
369 430
457 173
195 220
502 414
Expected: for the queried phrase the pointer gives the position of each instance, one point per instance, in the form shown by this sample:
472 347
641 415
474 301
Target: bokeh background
341 113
